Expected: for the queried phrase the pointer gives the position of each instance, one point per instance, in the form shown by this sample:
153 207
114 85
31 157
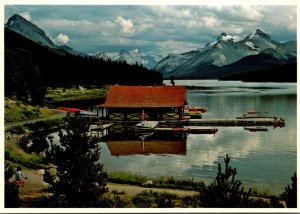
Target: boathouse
136 103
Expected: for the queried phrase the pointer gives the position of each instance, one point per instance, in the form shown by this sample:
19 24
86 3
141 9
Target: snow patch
233 38
251 45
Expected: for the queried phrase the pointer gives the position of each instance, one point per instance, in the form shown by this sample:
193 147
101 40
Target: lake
265 160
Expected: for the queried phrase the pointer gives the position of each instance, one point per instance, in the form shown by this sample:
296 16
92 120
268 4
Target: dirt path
57 114
35 188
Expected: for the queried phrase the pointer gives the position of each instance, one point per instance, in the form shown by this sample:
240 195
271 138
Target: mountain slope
130 57
31 67
29 30
225 56
20 25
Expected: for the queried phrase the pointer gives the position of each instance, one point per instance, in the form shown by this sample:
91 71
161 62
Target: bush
31 114
290 194
16 129
44 124
190 202
149 199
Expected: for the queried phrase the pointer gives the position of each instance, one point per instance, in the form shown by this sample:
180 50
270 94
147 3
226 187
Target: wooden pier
228 122
190 130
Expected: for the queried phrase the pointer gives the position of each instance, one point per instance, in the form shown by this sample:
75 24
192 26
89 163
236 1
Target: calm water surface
264 160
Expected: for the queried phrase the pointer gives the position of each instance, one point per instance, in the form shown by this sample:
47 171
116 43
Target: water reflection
122 140
265 160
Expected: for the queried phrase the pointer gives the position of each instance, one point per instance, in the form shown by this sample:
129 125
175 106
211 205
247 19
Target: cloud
176 27
125 24
26 15
211 22
244 12
175 47
62 38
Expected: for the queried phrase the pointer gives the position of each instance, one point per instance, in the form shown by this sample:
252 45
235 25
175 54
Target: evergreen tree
290 194
81 179
226 191
12 198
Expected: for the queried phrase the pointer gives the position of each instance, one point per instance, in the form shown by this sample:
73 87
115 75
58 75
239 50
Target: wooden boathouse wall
138 114
136 103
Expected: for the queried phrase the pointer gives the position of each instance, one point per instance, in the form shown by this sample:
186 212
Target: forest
30 68
275 73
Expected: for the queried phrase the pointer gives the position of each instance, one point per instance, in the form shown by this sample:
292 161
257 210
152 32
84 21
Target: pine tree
226 191
290 194
81 179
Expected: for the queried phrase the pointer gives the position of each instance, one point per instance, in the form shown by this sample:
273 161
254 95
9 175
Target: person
19 174
19 178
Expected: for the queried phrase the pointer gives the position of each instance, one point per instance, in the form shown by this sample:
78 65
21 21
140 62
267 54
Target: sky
154 29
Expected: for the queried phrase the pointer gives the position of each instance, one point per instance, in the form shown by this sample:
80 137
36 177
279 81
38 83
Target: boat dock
146 125
190 130
228 122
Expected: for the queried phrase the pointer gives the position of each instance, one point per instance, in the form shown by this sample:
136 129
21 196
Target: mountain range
33 63
29 30
131 57
228 56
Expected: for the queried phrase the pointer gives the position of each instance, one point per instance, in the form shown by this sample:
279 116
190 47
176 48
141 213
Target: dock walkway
204 122
229 122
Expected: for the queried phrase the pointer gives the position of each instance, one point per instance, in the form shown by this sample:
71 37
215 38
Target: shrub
148 199
44 124
190 202
290 194
226 191
20 129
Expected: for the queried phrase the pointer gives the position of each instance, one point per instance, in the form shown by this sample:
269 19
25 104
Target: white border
137 2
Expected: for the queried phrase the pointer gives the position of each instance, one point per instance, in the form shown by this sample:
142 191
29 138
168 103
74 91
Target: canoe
255 129
201 109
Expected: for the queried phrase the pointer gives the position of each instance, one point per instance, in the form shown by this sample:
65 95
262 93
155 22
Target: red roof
145 96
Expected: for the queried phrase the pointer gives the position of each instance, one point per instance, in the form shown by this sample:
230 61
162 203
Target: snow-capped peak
259 33
227 37
20 25
135 51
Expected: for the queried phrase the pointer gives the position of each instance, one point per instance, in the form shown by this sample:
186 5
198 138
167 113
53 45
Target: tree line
30 68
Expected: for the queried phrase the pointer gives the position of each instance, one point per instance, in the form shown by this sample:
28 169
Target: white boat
146 125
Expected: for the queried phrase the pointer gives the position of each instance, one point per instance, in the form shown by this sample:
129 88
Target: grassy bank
61 94
18 111
14 133
162 182
35 126
15 154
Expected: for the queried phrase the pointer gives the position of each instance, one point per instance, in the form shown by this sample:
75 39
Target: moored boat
146 125
255 129
253 114
200 109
